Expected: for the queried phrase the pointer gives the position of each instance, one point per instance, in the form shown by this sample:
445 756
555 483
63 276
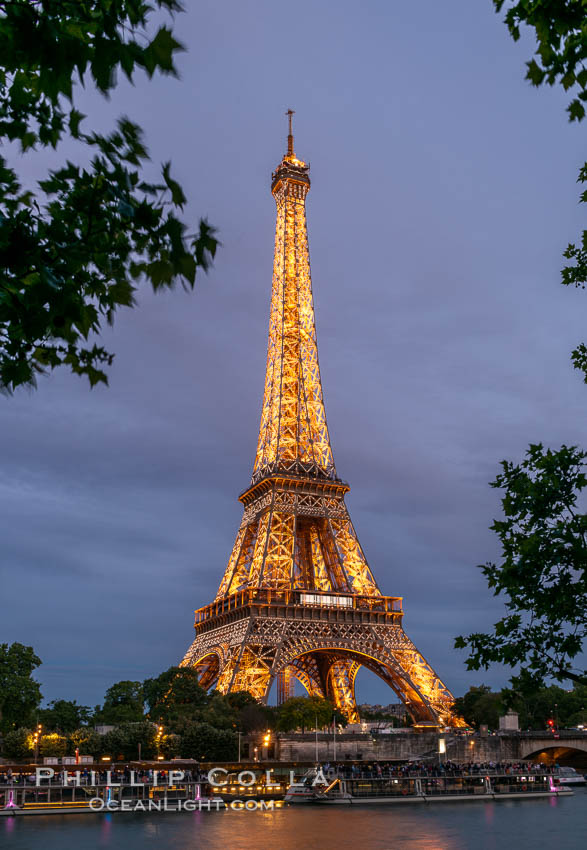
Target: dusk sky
443 195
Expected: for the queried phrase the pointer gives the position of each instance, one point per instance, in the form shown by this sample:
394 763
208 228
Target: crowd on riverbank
428 768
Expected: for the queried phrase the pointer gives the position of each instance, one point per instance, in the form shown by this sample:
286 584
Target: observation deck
299 604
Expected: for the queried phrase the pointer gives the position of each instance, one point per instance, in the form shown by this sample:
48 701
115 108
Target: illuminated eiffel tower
298 600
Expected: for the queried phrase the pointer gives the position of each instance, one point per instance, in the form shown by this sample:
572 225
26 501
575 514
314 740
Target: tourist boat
568 776
425 789
17 800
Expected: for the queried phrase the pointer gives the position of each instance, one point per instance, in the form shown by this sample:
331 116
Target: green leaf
576 110
535 73
75 118
177 194
28 140
159 53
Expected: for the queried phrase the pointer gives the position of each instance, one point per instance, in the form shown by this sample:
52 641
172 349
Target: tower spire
293 434
290 147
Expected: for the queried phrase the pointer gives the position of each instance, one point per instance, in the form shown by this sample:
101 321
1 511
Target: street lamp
316 740
441 749
36 739
266 742
159 736
239 733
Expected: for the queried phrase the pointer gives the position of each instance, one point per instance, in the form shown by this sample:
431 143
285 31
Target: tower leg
340 687
285 685
249 669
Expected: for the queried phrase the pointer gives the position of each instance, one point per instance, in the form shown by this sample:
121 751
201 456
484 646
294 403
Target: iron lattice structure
298 599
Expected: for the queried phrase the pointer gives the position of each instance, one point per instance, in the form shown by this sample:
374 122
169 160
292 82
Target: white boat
569 776
427 789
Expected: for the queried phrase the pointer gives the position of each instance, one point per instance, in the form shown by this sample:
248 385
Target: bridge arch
564 751
531 748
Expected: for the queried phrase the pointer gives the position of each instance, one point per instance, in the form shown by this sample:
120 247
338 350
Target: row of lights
158 739
36 738
249 788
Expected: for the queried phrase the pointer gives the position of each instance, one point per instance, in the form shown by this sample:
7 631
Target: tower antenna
290 147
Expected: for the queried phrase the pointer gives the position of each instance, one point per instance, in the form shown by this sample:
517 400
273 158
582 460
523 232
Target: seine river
533 824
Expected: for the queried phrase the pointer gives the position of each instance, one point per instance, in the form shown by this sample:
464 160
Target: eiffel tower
298 599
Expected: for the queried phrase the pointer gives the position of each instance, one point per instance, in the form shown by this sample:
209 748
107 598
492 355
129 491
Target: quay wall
416 745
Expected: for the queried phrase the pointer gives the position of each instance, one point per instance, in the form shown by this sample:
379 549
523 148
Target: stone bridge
568 747
548 747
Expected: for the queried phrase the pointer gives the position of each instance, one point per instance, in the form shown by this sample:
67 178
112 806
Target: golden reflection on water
339 828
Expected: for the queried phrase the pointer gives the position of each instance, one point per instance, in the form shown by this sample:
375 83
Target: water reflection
106 829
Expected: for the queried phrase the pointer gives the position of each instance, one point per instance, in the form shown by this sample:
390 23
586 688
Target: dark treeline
545 707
